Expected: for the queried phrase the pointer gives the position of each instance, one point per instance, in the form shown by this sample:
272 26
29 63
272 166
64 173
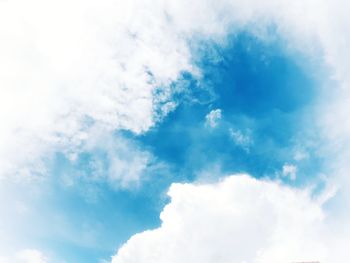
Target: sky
174 131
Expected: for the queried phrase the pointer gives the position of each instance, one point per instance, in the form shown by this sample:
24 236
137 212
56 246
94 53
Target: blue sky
117 117
260 89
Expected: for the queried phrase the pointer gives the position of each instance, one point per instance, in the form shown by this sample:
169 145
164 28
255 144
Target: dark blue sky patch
256 78
264 95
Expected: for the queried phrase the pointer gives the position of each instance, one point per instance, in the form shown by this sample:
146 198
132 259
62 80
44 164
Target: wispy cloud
290 171
212 118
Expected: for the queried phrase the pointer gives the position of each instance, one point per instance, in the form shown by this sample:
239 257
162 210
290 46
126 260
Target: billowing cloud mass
239 219
70 65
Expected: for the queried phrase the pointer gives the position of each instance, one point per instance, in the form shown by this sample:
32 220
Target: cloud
26 256
289 170
300 155
239 219
114 159
212 118
242 139
99 65
31 256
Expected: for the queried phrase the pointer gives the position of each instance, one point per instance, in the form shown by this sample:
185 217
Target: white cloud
26 256
31 256
241 139
300 155
103 61
65 64
239 219
289 170
212 118
119 161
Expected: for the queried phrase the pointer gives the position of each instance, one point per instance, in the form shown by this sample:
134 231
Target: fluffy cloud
69 65
239 219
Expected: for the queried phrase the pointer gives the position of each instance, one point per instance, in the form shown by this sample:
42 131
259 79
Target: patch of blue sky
265 96
86 220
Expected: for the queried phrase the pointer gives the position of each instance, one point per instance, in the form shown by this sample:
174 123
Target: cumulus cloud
239 219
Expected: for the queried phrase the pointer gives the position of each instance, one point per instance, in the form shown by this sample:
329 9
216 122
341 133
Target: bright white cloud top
239 219
76 74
